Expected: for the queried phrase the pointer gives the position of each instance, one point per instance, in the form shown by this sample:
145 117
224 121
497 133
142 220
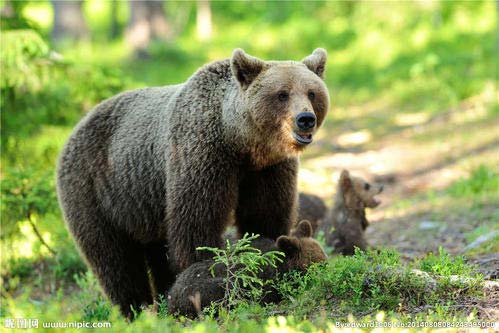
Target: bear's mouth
303 139
373 203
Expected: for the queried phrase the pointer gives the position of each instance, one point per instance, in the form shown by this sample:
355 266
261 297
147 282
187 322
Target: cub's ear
245 68
345 181
289 245
304 229
316 62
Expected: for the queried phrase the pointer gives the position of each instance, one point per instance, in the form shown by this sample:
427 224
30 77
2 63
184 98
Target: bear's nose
305 121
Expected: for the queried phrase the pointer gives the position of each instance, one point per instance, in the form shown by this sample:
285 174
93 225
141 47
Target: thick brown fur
197 283
344 226
311 208
151 174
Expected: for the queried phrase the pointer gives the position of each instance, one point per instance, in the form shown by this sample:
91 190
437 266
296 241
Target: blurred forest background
413 88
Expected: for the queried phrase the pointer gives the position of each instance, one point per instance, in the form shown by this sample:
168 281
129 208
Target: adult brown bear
151 174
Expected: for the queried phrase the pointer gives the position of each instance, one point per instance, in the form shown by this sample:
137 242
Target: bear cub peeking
348 219
300 250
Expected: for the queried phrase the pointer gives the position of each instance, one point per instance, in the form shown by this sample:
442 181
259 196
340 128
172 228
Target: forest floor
419 163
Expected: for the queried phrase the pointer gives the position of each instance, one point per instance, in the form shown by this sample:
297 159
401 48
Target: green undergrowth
373 281
375 286
483 181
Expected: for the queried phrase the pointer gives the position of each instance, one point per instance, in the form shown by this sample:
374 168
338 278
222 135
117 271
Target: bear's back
113 150
122 147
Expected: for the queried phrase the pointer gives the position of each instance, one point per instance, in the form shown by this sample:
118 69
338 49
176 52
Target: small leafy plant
444 264
95 307
242 264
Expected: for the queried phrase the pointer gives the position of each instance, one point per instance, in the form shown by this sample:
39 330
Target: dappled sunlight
24 247
317 181
389 159
354 138
472 114
265 40
420 37
465 20
26 244
411 119
41 13
435 179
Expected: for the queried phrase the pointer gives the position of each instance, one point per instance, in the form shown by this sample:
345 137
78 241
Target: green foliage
363 284
321 238
25 193
40 87
20 267
482 181
454 274
42 97
162 304
56 270
95 307
444 264
13 18
24 61
242 263
68 263
366 282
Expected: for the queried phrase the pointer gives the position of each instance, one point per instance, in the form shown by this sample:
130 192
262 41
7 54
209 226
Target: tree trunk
203 20
69 22
114 30
147 22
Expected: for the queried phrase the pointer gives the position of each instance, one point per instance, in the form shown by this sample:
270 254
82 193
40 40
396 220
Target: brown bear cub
300 250
348 216
312 209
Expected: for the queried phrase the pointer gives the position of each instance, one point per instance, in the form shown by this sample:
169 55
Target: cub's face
358 193
300 248
286 101
367 192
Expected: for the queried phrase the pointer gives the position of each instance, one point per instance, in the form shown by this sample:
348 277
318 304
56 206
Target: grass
373 285
375 281
483 181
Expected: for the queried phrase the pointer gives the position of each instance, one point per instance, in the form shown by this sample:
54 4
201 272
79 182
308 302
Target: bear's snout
304 126
305 121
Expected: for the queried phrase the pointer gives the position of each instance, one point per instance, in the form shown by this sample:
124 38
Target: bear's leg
119 264
200 200
268 200
162 274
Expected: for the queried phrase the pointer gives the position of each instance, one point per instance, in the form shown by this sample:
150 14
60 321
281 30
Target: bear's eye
283 96
311 95
367 186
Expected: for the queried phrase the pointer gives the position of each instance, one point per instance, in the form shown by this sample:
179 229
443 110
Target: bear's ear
345 181
245 68
289 245
304 229
316 62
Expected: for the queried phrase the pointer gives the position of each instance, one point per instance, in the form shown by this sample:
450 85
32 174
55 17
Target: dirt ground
419 156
